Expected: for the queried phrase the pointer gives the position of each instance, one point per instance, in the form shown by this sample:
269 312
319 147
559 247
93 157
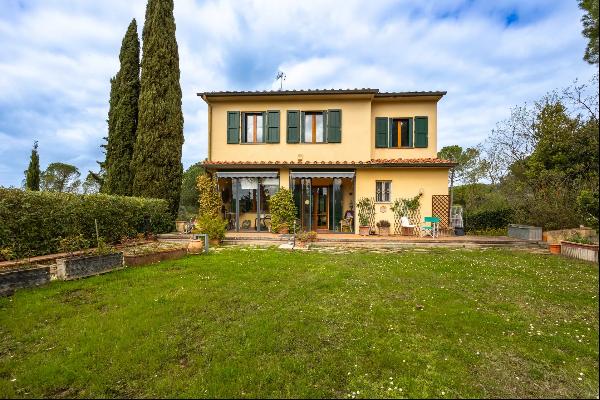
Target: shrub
214 227
73 243
307 236
577 238
33 223
366 208
282 209
210 199
488 220
383 224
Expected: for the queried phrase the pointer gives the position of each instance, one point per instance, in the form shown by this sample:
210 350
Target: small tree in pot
283 211
384 227
366 208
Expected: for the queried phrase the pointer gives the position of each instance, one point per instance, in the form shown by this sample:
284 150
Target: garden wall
33 222
23 278
587 252
80 267
144 259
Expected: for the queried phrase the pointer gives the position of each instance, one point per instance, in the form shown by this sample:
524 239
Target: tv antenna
281 77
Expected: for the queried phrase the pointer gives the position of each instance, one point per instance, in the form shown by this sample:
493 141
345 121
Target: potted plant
366 207
283 211
214 227
304 238
384 227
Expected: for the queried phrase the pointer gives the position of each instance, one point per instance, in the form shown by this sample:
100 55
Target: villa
331 148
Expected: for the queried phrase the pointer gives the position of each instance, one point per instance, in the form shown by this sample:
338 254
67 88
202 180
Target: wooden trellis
440 207
400 209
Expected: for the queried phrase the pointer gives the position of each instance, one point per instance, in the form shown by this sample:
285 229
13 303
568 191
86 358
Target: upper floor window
400 136
253 130
313 127
401 132
383 191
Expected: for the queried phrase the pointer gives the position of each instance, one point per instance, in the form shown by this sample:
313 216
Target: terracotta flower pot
554 248
384 231
214 242
196 246
364 230
284 230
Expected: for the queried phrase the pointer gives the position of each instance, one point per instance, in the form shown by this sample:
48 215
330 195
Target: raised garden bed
587 252
80 267
23 278
141 259
525 232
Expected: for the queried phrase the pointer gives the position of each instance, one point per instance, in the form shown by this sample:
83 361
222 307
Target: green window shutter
293 126
233 127
272 126
421 131
381 132
334 127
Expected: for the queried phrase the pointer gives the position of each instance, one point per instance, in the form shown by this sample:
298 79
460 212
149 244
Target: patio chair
432 229
346 225
406 225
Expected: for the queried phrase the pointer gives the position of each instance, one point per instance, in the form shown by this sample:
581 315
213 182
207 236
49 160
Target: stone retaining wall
154 257
23 278
80 267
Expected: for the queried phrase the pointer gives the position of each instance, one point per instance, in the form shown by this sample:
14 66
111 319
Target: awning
247 174
322 174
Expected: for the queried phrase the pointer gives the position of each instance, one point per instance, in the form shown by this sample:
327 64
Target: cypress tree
123 117
32 175
157 154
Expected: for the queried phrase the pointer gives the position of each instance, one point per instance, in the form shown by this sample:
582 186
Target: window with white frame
253 132
383 191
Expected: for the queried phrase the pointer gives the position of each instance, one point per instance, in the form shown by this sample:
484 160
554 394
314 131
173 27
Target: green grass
252 323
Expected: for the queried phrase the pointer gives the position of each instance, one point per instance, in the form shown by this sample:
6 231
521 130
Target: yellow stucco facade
410 169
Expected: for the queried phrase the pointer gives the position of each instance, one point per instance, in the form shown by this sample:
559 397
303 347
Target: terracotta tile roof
394 162
374 92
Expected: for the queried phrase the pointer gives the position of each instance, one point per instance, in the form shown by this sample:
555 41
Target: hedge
32 223
488 220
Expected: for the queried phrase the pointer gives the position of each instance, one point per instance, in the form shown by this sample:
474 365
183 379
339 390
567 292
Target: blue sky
57 57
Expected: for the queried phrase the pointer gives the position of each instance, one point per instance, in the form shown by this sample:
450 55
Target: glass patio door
320 211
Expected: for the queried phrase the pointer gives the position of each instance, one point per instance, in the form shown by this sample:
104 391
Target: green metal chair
432 229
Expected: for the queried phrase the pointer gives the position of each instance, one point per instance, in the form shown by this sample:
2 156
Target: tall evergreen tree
157 154
32 175
123 117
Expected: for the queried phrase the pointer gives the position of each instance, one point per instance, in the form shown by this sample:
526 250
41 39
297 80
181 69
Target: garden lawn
253 323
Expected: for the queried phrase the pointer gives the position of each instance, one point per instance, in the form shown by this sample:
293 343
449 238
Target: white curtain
270 181
248 183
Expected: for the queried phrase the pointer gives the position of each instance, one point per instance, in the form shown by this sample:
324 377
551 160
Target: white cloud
58 56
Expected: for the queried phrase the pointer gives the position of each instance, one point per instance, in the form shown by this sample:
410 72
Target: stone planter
587 252
144 259
364 230
23 278
524 232
80 267
195 246
384 231
180 226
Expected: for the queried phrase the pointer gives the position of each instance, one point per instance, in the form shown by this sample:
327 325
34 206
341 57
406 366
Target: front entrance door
320 211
